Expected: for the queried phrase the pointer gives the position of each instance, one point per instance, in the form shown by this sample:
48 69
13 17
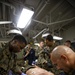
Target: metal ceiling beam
39 6
54 22
3 11
72 2
66 14
61 21
10 5
7 4
3 19
42 8
39 22
46 29
56 6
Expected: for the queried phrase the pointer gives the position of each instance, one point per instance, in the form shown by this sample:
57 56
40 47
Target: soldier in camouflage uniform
8 57
43 53
39 48
44 56
43 59
39 52
68 43
50 43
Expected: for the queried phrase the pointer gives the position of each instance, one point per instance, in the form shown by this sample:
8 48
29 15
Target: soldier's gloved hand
38 71
23 74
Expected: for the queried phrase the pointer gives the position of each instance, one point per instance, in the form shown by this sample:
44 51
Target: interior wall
69 34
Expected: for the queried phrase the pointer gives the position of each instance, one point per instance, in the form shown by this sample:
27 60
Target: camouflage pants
3 72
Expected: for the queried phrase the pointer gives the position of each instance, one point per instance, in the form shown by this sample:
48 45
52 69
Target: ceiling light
44 35
57 38
24 17
14 31
5 22
54 37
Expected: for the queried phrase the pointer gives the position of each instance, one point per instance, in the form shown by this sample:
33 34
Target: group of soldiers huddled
40 54
37 55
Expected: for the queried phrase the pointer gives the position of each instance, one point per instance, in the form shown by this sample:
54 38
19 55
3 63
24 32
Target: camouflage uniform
44 61
37 49
69 73
42 57
7 61
53 69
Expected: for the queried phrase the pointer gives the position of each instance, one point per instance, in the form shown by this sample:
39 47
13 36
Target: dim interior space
36 36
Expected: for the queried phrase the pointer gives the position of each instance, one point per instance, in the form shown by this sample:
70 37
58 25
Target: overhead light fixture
57 38
54 37
14 31
24 18
44 35
5 22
